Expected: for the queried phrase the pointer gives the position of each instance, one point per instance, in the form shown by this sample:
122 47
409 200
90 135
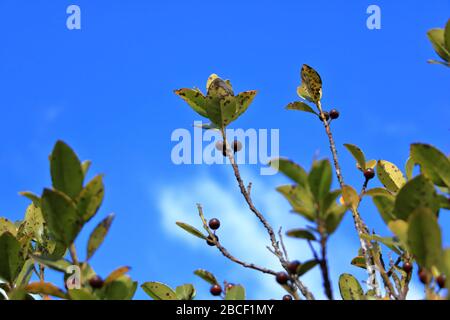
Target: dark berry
407 267
293 266
214 224
221 147
369 173
334 114
287 297
424 277
326 115
96 282
237 146
210 240
216 290
282 277
441 281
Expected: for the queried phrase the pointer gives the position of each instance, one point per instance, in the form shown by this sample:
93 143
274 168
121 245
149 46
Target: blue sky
107 90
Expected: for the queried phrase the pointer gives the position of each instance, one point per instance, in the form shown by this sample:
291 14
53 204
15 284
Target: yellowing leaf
390 175
351 197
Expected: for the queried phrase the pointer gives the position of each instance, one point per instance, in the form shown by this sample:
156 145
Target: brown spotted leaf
159 291
390 175
116 274
98 235
195 99
313 82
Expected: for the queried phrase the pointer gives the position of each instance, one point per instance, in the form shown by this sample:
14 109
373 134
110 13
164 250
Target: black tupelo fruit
216 290
214 224
369 173
282 277
334 114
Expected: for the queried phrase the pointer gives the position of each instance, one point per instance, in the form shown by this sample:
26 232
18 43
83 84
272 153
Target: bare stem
225 251
275 245
359 224
323 261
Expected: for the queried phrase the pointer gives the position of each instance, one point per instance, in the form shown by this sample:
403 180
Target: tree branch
275 245
358 222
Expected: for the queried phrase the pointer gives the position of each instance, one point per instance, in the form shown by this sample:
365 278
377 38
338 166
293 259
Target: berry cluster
333 114
237 146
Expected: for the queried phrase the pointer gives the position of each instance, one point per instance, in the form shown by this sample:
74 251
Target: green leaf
91 198
444 202
55 264
433 163
221 103
116 274
390 176
159 291
300 106
123 288
60 214
334 217
291 170
447 36
357 154
195 99
11 258
312 83
45 288
302 92
359 261
191 230
243 101
33 197
301 200
319 179
301 234
235 293
437 39
306 266
185 292
385 206
7 226
424 238
81 294
350 288
400 229
378 192
389 242
98 235
85 165
329 202
25 273
207 276
418 192
350 196
409 167
33 224
65 167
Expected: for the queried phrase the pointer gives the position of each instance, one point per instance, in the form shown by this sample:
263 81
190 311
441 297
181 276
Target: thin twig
323 261
282 244
304 290
359 224
225 251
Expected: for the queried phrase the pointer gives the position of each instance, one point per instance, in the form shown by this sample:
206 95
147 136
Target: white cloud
241 233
